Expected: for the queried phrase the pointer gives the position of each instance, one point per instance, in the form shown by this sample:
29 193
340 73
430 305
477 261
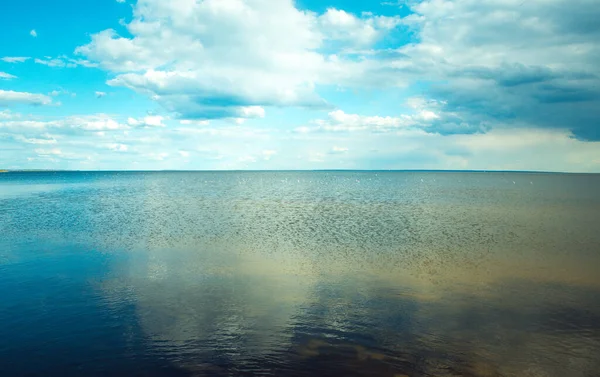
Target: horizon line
291 170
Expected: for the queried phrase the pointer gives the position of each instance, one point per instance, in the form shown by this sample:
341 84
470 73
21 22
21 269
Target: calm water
299 274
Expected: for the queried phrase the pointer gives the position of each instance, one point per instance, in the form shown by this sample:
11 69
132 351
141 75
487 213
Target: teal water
299 274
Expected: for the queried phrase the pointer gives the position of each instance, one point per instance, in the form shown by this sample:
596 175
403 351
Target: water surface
299 274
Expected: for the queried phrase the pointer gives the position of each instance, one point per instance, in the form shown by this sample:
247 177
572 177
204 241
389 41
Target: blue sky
278 84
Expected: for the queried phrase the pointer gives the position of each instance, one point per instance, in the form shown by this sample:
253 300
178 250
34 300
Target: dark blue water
299 274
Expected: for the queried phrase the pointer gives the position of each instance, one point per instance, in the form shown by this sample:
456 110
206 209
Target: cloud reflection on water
292 273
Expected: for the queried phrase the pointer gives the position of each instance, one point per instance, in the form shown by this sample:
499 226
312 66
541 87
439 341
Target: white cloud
429 116
14 59
491 61
81 62
192 122
6 76
224 146
341 25
64 62
99 94
214 59
154 121
44 139
339 121
54 63
147 121
533 63
9 97
252 112
93 123
488 33
500 76
33 33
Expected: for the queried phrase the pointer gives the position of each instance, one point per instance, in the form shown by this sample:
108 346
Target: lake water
299 274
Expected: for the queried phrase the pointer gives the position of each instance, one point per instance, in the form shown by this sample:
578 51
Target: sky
306 84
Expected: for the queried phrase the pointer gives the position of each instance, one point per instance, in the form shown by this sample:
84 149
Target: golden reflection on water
250 307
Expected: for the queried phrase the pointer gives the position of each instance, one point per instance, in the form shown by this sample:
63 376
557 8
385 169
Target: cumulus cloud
485 76
15 59
213 59
9 97
6 76
533 62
